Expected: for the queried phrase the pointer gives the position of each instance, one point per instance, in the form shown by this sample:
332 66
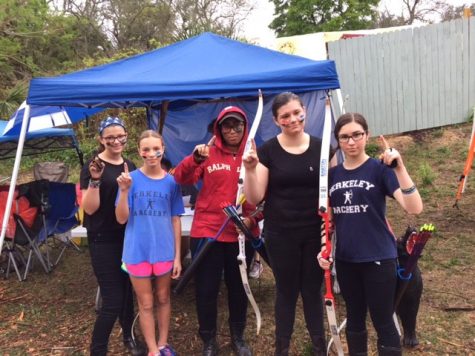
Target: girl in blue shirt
150 202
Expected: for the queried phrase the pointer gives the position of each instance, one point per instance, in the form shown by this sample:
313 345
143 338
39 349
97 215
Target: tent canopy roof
36 142
204 67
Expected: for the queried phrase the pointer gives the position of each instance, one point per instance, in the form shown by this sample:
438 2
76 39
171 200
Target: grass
53 314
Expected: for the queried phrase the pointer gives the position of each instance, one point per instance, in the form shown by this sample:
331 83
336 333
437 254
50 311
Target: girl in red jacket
217 165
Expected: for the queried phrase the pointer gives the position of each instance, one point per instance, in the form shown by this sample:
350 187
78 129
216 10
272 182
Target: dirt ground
53 314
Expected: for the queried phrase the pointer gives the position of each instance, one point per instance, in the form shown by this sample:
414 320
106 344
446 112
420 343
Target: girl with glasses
217 165
366 247
106 236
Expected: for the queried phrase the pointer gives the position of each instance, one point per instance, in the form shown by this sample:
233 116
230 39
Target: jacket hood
226 113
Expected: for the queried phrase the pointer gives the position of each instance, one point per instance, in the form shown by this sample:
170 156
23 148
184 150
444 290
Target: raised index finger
211 142
126 168
253 144
384 142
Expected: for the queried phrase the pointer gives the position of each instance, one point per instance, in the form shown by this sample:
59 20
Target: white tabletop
186 220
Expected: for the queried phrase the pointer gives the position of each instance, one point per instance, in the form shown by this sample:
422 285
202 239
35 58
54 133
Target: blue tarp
42 117
36 142
203 67
186 127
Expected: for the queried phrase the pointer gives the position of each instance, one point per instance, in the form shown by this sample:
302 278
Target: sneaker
167 350
134 347
256 269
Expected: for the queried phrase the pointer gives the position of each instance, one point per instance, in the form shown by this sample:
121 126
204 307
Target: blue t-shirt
358 201
149 235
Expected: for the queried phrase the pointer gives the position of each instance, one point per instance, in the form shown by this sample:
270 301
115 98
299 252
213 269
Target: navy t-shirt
358 201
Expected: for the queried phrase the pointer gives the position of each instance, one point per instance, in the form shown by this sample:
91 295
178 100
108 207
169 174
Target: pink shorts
147 270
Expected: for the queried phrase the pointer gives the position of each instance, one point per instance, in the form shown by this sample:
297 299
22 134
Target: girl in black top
285 172
105 235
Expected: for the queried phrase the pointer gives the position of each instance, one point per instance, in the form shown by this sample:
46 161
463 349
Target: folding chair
32 235
61 215
17 243
59 222
13 257
52 171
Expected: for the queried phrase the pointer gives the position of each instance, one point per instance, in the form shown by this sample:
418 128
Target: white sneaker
256 269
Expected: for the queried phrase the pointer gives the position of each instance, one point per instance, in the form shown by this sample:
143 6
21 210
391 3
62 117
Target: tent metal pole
163 115
16 168
341 103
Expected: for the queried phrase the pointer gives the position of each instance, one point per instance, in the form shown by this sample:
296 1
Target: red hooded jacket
219 174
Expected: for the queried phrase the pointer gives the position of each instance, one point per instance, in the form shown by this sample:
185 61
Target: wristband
94 183
409 190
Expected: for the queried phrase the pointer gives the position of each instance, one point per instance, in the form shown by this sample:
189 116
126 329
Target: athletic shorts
147 269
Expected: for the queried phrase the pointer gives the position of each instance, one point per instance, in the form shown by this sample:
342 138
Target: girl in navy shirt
365 250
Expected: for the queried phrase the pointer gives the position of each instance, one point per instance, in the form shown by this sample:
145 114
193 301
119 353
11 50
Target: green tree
35 40
223 17
295 17
455 12
139 24
21 24
386 19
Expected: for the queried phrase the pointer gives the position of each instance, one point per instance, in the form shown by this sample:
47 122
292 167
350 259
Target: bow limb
245 281
323 212
239 197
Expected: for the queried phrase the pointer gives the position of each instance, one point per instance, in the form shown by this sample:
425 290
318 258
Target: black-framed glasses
355 136
122 139
237 127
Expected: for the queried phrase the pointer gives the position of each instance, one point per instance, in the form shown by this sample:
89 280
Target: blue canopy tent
42 117
39 141
188 83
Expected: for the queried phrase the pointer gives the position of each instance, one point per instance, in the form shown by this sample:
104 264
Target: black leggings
293 257
370 285
222 256
116 292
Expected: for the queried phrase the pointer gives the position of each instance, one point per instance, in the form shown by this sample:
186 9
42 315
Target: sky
256 27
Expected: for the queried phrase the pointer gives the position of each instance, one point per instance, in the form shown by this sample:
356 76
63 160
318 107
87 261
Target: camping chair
52 171
32 234
19 238
13 256
61 215
59 222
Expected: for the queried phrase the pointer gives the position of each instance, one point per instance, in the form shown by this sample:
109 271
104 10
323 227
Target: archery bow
256 242
323 212
241 238
197 260
467 167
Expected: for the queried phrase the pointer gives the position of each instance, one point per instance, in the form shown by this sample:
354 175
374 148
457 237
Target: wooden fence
409 79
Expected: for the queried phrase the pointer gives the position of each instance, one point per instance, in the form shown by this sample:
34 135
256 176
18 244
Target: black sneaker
134 347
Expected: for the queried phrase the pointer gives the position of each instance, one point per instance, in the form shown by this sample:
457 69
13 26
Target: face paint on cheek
121 143
158 154
301 118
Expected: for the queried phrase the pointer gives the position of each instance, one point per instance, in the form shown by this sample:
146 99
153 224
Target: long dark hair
346 119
